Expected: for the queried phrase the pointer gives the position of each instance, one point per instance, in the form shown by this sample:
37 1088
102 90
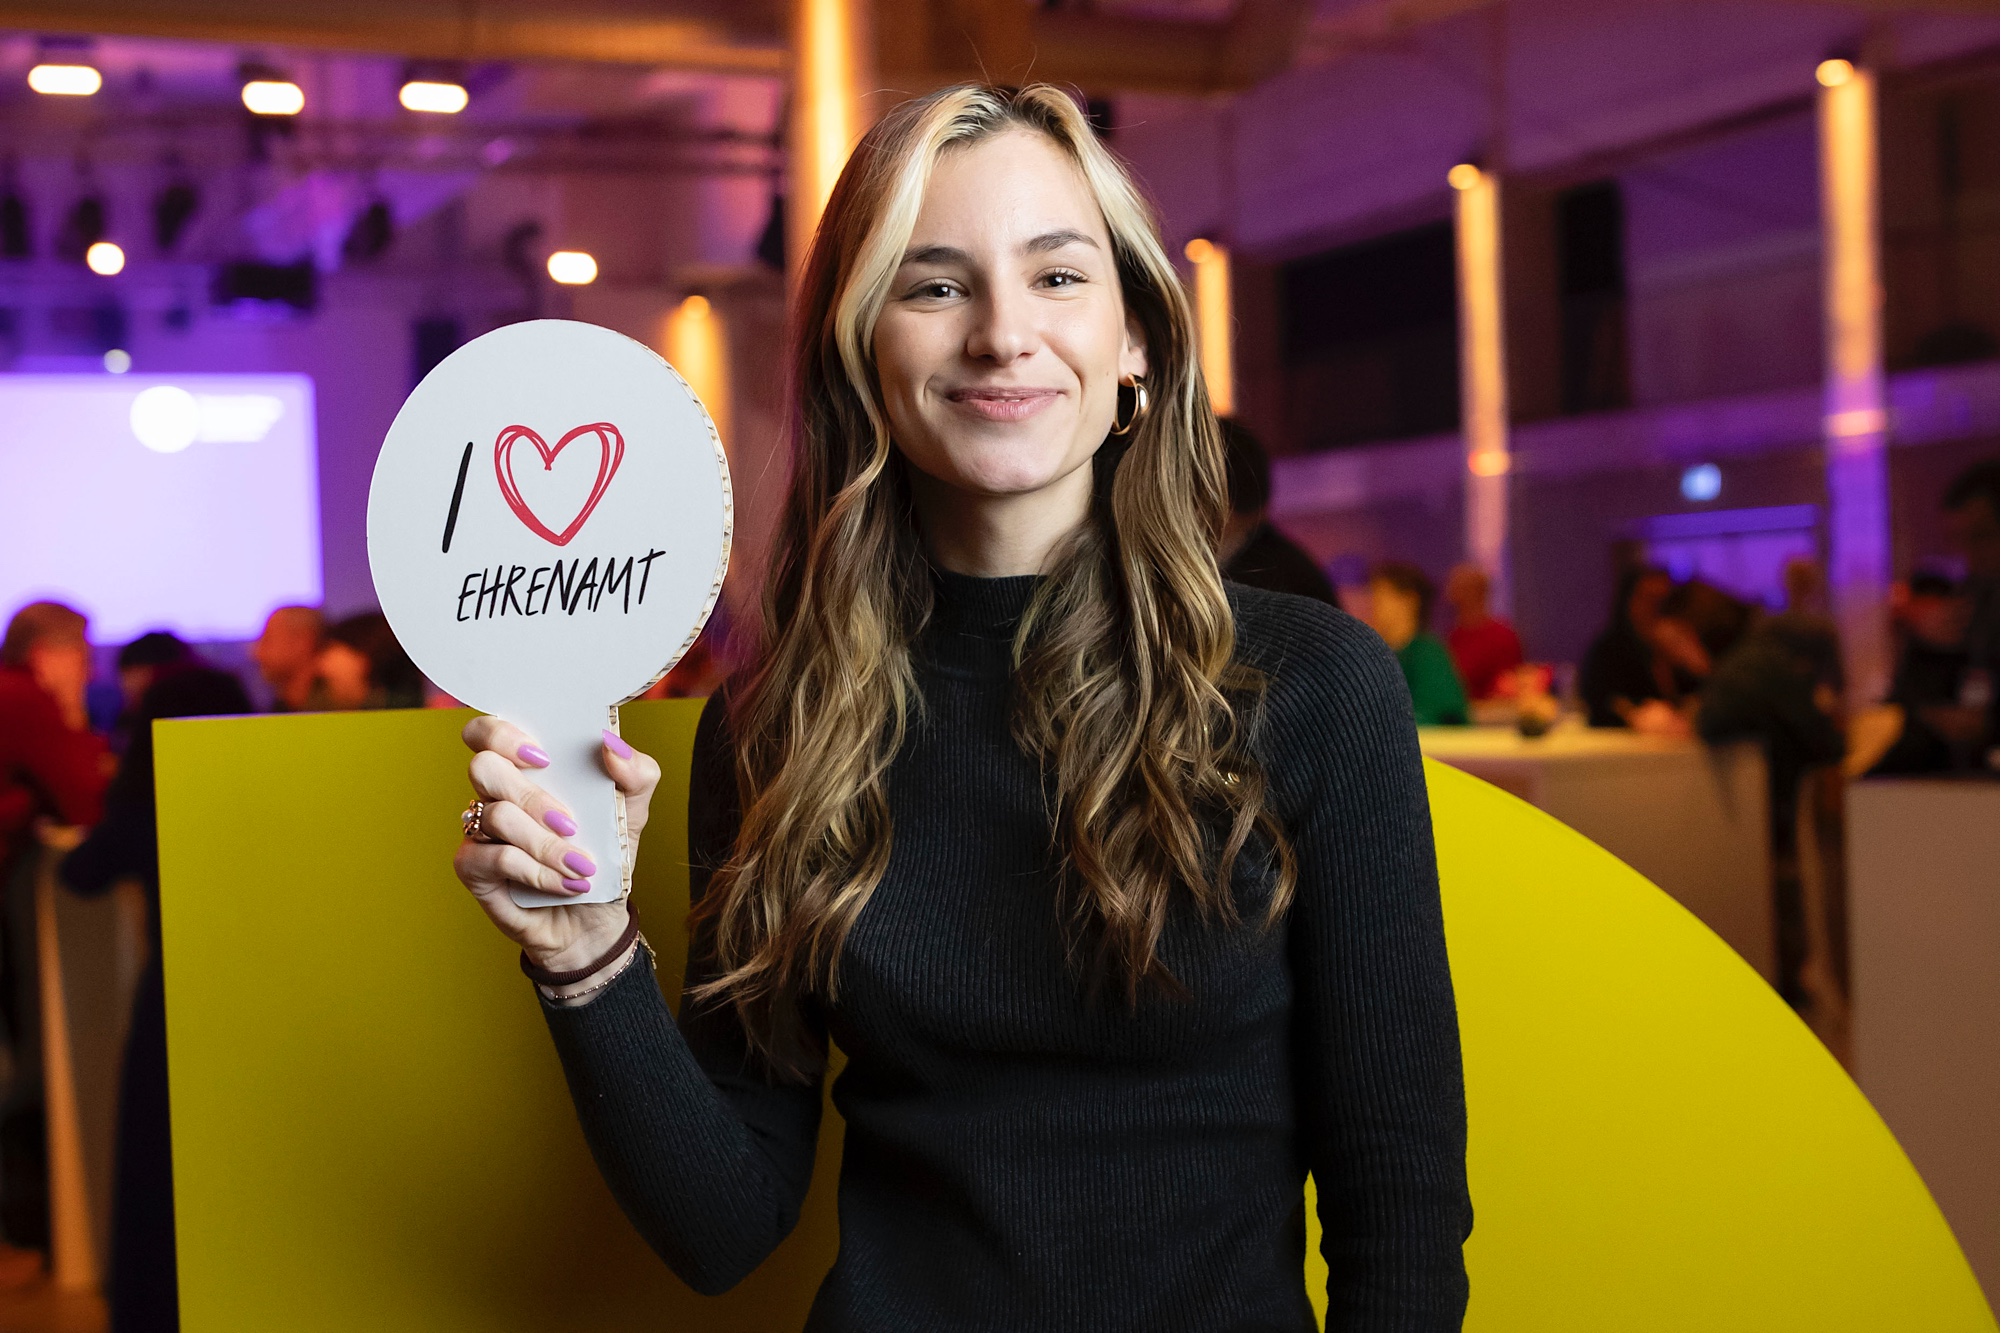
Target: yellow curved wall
370 1130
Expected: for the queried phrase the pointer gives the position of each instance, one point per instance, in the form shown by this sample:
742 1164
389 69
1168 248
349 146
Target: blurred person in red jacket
1484 647
52 769
51 765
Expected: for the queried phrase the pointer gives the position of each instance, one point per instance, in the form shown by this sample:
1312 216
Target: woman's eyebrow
938 254
1035 245
1056 240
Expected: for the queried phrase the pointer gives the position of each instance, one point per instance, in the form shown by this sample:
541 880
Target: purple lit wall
186 502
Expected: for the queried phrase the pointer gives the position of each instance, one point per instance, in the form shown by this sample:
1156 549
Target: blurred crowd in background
1678 660
76 774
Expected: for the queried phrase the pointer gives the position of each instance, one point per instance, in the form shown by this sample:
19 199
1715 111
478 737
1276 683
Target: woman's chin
1008 473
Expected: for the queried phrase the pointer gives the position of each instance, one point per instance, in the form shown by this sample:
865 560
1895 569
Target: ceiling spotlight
1463 177
105 259
1834 73
1702 483
273 97
573 268
435 96
65 80
117 361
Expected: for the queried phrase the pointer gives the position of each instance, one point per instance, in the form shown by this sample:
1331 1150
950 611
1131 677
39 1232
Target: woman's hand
534 850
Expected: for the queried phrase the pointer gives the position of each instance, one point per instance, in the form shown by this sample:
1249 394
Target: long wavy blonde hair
1126 687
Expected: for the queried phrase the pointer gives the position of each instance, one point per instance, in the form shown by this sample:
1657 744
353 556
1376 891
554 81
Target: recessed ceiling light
273 97
573 268
65 80
446 99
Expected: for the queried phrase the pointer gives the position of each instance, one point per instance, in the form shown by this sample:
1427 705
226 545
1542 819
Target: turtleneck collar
989 608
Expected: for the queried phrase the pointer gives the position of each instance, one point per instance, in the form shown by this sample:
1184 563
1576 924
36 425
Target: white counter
1924 881
1688 816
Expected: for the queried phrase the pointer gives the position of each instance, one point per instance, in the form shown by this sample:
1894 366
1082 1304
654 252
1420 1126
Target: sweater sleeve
709 1157
1381 1099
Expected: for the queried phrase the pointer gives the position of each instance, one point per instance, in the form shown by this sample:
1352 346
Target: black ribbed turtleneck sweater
1021 1155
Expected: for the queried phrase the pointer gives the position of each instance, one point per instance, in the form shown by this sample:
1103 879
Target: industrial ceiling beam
426 29
925 43
922 43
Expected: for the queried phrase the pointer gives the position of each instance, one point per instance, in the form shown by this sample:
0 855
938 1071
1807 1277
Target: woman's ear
1132 356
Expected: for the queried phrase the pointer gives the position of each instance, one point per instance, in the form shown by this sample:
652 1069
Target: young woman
1115 886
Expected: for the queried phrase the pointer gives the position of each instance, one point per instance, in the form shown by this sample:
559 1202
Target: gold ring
470 819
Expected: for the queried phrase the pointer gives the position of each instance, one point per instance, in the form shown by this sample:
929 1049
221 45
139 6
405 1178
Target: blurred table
1924 882
1688 816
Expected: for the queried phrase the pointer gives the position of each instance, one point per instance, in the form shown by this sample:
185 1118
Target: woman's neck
995 536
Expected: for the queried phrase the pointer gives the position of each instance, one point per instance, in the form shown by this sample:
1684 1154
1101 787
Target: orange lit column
1215 323
1855 424
691 338
1483 381
832 72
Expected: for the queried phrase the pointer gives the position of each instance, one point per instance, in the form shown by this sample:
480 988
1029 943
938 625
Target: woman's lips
1003 404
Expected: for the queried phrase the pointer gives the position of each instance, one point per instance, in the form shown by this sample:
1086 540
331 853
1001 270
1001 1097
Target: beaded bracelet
589 991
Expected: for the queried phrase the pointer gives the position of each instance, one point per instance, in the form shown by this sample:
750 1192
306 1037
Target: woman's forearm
711 1178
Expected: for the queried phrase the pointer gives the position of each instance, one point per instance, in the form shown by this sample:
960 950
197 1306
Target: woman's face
1393 612
344 673
1643 604
1005 334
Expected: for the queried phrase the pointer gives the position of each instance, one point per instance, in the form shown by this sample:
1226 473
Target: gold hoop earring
1138 386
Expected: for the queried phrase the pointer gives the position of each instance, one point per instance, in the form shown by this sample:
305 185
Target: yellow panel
371 1128
1656 1141
370 1125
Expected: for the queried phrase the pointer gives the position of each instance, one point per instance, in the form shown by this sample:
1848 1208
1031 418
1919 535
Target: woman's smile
1002 402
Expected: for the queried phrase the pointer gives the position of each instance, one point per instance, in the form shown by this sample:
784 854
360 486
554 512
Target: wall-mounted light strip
1854 415
692 339
1483 380
830 71
1215 322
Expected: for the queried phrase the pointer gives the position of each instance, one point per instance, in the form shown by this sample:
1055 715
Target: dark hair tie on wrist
542 976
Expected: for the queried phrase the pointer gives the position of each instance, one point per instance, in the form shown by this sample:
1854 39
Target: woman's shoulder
1313 655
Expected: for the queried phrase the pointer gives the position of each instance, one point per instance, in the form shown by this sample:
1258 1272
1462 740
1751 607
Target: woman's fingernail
563 825
617 746
577 885
533 755
581 864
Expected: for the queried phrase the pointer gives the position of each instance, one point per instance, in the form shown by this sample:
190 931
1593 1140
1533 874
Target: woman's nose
1003 328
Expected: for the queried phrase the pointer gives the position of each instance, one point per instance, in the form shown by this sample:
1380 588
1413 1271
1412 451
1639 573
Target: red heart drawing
611 451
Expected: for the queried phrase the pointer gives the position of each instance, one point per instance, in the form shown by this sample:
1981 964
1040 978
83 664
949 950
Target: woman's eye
1062 278
933 291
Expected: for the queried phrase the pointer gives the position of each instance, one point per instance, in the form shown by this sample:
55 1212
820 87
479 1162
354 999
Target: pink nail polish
562 824
579 863
617 746
577 885
533 755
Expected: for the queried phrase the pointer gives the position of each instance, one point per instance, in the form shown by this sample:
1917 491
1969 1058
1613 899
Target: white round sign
548 530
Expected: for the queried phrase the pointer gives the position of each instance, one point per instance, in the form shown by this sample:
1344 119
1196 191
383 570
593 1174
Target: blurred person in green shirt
1400 598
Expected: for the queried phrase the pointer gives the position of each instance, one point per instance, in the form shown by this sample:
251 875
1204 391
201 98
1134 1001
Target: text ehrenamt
568 587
